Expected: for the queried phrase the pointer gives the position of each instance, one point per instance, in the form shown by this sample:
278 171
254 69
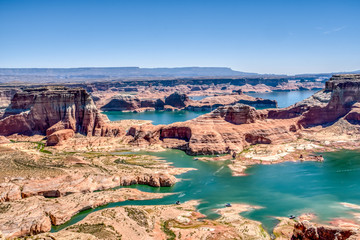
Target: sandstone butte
50 110
230 129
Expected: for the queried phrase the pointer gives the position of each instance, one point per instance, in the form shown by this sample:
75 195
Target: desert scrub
4 208
137 215
110 213
166 229
99 230
263 232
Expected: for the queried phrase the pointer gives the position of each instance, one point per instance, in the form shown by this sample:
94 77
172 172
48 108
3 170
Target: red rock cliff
49 109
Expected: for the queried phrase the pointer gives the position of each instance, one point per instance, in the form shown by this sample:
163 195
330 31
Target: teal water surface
157 117
285 98
281 189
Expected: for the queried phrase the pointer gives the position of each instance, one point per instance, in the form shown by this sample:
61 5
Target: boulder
58 137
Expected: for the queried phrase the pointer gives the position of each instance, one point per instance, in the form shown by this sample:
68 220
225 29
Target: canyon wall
49 109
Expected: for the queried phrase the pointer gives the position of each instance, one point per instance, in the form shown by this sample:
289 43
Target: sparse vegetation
166 229
4 208
99 230
137 215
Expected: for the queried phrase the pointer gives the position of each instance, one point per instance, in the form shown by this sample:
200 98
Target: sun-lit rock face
345 93
6 95
37 110
238 114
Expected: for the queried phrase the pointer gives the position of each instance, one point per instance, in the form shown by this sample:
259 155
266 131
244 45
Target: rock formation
50 109
307 231
231 128
122 103
58 137
177 100
6 95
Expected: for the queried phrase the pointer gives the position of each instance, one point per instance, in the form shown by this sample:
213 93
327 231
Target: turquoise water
285 98
157 117
198 98
282 189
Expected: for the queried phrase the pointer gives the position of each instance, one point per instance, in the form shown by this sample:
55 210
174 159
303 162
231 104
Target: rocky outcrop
307 231
132 103
177 100
122 103
55 108
354 115
6 95
345 92
238 114
59 137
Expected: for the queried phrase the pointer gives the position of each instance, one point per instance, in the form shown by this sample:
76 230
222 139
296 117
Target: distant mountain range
125 72
120 73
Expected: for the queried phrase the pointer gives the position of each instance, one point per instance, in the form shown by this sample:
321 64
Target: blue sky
268 36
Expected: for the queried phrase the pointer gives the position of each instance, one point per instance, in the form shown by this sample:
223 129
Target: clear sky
264 36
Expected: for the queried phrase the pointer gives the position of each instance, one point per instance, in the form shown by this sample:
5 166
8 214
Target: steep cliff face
54 108
345 92
6 96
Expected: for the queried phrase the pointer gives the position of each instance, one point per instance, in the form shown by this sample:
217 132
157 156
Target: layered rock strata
50 109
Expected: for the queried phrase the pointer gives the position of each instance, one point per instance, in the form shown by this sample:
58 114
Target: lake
285 98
